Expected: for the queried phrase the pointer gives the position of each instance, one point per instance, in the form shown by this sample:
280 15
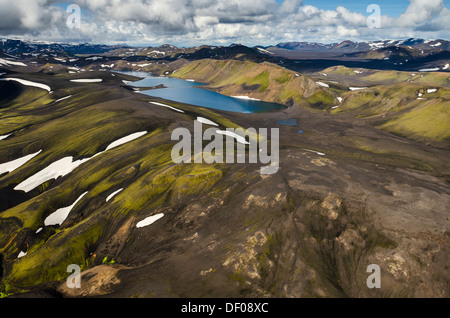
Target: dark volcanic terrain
366 182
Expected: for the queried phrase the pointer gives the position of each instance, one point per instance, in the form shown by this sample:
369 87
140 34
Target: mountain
349 46
348 192
36 48
363 175
165 51
305 46
18 47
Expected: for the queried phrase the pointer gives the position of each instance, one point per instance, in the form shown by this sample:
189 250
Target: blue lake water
288 122
189 92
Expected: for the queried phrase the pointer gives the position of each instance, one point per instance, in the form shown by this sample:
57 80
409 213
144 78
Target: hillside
76 189
411 104
401 96
264 81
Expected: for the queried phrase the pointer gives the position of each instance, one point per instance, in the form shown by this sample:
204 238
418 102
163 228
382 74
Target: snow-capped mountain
351 47
17 47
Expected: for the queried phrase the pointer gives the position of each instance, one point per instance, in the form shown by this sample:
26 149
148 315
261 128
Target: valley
86 175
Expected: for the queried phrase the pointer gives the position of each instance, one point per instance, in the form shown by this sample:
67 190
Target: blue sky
391 8
221 22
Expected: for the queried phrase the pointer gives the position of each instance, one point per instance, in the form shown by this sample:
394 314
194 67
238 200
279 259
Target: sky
222 22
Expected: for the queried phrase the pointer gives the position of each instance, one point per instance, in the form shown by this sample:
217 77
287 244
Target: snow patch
4 136
61 99
150 220
319 153
125 140
106 65
27 83
17 163
164 105
323 84
376 45
245 97
8 62
429 69
65 166
264 51
94 58
60 215
238 138
112 195
206 121
87 80
55 170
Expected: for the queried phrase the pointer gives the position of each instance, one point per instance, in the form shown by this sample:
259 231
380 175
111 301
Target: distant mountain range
411 54
17 47
349 46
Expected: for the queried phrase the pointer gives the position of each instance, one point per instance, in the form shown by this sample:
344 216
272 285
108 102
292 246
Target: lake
288 122
190 92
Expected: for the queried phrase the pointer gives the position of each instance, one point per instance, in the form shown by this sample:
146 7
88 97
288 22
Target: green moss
261 79
283 78
339 70
105 261
387 76
150 187
199 179
273 246
65 248
321 100
30 97
429 121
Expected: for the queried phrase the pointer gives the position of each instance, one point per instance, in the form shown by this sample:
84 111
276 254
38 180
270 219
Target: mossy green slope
385 77
413 110
81 127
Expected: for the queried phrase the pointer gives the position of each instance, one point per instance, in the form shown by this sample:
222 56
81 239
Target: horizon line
15 38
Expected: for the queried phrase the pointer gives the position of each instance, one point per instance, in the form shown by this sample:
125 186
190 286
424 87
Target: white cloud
420 11
24 15
186 22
